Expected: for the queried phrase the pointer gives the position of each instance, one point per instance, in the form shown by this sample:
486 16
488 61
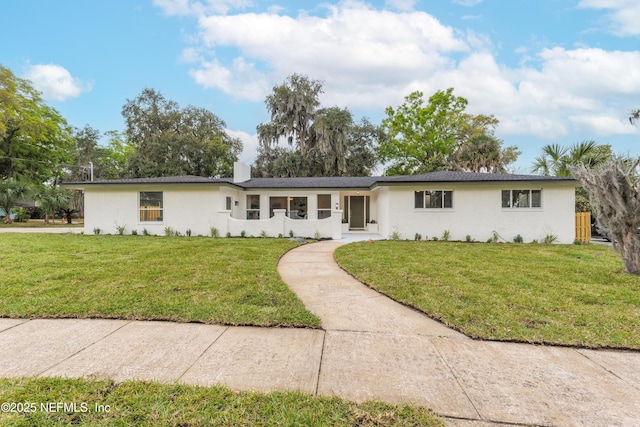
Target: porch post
279 215
336 224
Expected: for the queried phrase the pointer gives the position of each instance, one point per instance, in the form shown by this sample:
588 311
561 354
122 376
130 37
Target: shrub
435 238
21 215
518 239
188 232
243 234
418 236
280 236
316 235
550 238
96 231
263 233
145 232
395 235
228 234
121 229
213 231
494 237
290 233
446 234
134 232
168 231
468 239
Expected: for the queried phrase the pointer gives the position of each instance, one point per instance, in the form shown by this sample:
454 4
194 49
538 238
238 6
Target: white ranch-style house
461 203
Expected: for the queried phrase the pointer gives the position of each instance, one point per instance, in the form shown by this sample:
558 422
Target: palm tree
10 192
480 153
51 199
556 160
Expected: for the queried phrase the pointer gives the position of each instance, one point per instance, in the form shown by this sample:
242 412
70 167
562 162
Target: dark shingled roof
453 176
183 179
340 182
311 182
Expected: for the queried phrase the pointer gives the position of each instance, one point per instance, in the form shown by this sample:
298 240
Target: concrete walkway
369 348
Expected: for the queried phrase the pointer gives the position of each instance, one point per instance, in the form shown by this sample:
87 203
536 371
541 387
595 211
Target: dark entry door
356 218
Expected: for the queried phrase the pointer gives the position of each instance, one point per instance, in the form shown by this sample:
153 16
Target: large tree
613 186
422 135
280 162
330 138
484 153
91 158
35 141
293 106
364 137
322 141
170 140
479 150
614 195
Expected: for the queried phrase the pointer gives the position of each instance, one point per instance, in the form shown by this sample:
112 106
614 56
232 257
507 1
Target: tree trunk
630 252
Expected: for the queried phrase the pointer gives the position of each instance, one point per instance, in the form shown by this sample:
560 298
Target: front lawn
105 403
560 294
39 223
226 281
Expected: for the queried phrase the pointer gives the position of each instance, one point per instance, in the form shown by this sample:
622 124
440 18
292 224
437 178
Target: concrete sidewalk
359 354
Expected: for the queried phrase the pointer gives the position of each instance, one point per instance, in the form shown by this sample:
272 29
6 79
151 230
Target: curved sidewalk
369 348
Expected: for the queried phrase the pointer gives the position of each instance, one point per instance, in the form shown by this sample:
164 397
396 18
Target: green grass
555 294
154 404
40 224
227 281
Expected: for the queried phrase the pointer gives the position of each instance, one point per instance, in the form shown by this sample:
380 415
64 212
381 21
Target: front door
356 212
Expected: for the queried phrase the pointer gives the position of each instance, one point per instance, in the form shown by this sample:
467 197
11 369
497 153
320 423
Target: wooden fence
583 227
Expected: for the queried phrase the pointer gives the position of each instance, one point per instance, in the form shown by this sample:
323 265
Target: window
228 205
324 206
298 207
521 198
253 206
433 199
150 206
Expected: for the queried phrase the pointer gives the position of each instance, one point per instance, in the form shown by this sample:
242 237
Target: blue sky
552 71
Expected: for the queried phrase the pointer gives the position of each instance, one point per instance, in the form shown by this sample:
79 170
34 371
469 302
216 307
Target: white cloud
191 7
353 46
624 14
55 82
249 145
369 59
240 80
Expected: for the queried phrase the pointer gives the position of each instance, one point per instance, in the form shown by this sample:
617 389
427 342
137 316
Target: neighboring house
462 203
